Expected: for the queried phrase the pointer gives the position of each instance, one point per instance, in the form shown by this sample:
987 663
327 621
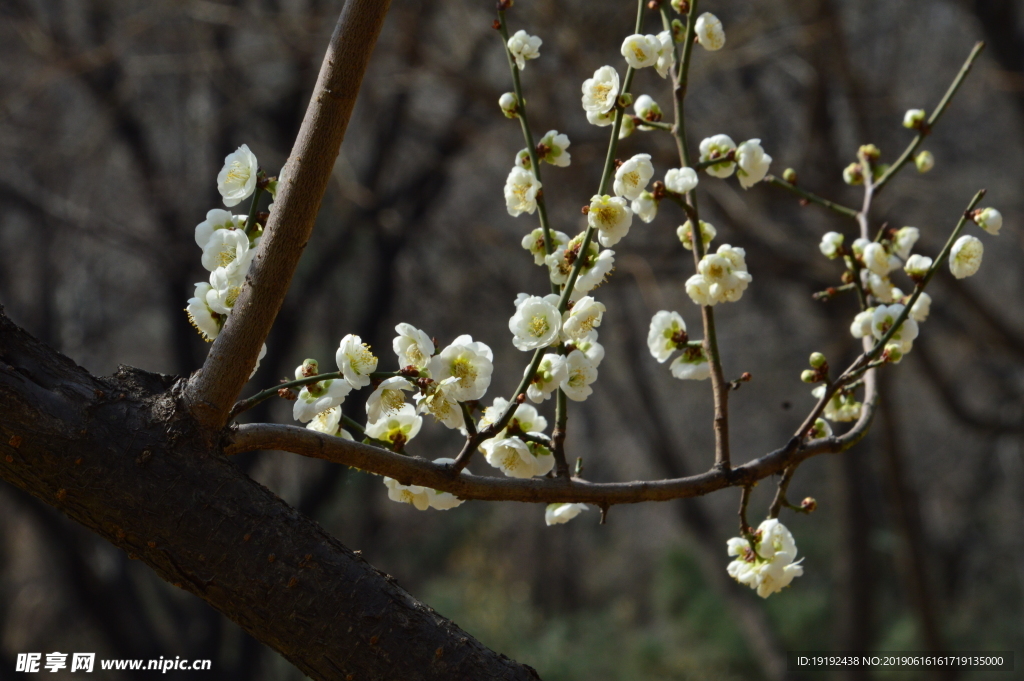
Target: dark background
114 120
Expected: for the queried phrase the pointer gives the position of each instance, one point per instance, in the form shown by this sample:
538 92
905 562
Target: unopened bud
989 219
913 119
287 394
309 368
818 360
809 505
625 100
627 127
924 161
678 28
789 175
808 376
509 105
853 175
870 152
681 6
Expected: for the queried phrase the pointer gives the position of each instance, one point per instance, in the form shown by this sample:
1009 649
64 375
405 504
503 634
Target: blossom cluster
768 563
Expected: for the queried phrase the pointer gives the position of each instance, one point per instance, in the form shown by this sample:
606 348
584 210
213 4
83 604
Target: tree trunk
121 456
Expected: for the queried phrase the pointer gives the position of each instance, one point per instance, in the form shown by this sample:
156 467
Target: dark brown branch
214 388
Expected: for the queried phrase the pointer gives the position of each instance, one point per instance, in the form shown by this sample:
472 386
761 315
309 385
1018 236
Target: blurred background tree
114 118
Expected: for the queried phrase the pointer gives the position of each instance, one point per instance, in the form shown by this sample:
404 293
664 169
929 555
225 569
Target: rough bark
121 456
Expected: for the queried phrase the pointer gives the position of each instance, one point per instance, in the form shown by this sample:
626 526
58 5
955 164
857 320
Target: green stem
933 119
263 395
654 124
813 198
250 221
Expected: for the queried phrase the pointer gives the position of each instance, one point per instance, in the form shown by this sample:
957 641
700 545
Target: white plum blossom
525 418
820 430
753 163
205 320
225 287
917 266
681 180
601 119
990 220
685 234
534 243
551 371
692 364
666 55
589 346
328 422
388 398
611 216
631 177
914 118
710 32
521 187
217 219
717 146
904 240
444 501
397 427
861 325
229 249
413 347
355 361
647 109
921 308
830 244
558 514
627 127
518 459
883 319
641 50
965 258
470 362
438 399
721 277
666 334
536 322
842 407
585 315
556 147
523 159
319 397
880 286
236 181
770 565
523 46
601 92
645 207
581 372
876 259
593 272
509 104
408 494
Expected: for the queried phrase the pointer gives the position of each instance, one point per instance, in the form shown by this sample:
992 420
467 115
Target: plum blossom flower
641 50
589 346
666 334
990 220
717 146
666 55
534 243
645 207
631 177
217 219
205 320
581 372
841 407
225 287
691 365
721 277
388 398
601 119
413 347
236 181
319 397
328 422
922 306
556 147
917 266
396 428
438 399
551 371
525 418
228 248
597 263
883 319
611 216
820 430
861 325
710 32
584 316
601 92
470 363
521 187
647 109
536 323
355 361
518 459
685 234
523 46
753 163
681 180
830 245
904 240
408 494
876 259
558 514
769 565
965 257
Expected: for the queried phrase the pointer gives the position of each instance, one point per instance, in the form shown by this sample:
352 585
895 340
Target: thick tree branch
213 389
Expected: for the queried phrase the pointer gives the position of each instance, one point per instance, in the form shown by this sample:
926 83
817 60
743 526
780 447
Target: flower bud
678 29
924 161
509 105
789 175
853 175
808 376
893 352
627 127
625 100
647 109
681 6
809 505
917 266
989 219
820 430
913 119
309 368
870 152
818 360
